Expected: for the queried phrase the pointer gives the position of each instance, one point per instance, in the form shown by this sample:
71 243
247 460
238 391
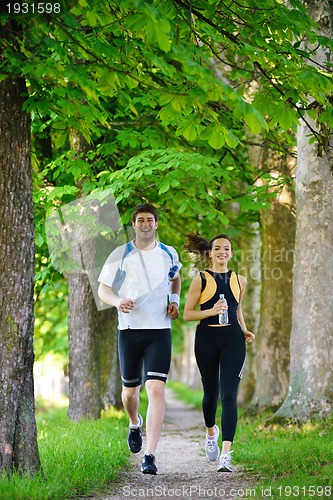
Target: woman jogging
219 348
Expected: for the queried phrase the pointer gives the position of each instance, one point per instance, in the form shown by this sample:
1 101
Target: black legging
220 354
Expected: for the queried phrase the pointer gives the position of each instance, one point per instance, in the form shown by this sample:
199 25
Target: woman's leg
231 366
207 357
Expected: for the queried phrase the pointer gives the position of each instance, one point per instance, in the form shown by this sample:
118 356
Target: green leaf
167 114
207 132
59 140
211 215
39 240
312 113
108 82
223 218
178 103
163 40
287 118
217 137
231 140
183 207
326 117
164 187
188 130
253 123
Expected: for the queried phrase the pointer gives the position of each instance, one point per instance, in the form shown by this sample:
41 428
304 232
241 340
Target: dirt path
183 469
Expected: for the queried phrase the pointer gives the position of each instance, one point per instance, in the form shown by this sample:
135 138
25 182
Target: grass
77 458
286 461
84 458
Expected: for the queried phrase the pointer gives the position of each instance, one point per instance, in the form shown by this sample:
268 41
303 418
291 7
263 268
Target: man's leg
130 359
155 413
157 363
130 399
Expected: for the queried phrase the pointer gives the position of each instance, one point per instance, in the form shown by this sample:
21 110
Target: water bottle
223 317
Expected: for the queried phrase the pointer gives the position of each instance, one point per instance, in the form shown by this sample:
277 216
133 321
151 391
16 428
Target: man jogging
142 280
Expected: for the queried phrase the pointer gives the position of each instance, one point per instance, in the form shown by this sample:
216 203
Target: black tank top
213 284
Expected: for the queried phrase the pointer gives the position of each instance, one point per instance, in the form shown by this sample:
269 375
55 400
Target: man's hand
125 305
173 310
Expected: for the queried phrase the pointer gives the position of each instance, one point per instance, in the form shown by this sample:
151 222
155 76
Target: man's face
145 226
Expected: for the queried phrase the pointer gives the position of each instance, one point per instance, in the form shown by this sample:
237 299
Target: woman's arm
190 311
249 336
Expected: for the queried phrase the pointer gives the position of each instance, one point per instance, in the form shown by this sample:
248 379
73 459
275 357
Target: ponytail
200 247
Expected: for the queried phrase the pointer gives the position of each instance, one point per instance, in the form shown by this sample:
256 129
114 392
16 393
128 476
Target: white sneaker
212 449
225 462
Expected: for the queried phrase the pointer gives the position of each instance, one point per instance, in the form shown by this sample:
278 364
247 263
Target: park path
183 469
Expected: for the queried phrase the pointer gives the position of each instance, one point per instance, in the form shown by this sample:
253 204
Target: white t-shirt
143 276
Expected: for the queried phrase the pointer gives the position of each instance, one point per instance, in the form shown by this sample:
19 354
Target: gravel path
183 469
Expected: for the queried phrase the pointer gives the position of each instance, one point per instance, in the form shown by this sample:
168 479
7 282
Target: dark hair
145 208
217 237
201 247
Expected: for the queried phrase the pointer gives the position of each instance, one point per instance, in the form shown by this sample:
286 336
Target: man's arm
174 298
106 294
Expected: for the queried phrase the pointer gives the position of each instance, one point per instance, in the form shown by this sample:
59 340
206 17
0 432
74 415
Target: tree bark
272 343
184 367
18 440
311 347
250 266
93 334
84 387
84 374
271 365
110 380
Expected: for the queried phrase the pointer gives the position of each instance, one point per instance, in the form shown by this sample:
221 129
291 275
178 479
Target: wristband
174 297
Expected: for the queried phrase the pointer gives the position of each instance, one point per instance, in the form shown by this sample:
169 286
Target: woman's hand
218 308
249 336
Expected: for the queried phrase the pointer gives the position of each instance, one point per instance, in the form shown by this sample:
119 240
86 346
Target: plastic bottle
223 317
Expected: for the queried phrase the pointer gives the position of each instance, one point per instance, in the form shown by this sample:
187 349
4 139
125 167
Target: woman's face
221 251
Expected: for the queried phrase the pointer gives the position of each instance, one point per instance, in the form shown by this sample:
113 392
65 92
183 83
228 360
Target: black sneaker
148 465
135 437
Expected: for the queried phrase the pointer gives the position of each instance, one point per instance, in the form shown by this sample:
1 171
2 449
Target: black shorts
148 349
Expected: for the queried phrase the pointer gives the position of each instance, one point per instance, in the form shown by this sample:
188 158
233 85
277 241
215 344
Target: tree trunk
272 343
250 266
18 441
110 380
84 375
311 347
185 368
84 386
